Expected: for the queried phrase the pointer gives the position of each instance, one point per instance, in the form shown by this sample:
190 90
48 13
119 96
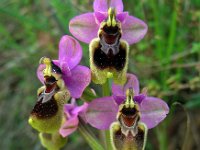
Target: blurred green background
167 61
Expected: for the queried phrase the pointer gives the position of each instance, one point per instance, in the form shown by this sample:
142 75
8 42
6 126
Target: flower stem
108 142
94 144
106 92
162 137
106 89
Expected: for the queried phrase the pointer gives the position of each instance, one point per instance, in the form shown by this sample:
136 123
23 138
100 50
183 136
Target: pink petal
70 51
64 67
132 82
80 109
40 69
78 81
100 5
139 98
153 111
68 109
122 16
117 4
84 27
119 99
69 126
99 16
102 112
133 29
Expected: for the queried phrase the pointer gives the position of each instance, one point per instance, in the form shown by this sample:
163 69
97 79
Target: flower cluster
60 107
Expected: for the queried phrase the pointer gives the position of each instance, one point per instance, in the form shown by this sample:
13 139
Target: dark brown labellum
129 120
45 110
110 60
129 116
128 142
50 83
110 35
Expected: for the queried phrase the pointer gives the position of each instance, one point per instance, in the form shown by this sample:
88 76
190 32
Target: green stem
94 144
106 92
108 141
106 89
102 137
162 137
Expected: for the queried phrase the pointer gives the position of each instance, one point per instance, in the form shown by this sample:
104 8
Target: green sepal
88 95
52 141
49 125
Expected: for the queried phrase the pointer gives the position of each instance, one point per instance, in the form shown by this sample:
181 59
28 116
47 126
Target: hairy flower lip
110 38
127 123
129 120
50 88
129 116
129 112
49 79
111 30
40 114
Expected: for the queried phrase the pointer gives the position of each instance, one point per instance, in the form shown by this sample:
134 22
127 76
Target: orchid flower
76 77
108 52
47 114
128 132
102 112
61 78
85 26
72 113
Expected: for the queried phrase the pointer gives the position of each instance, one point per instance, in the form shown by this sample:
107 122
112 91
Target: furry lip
50 84
129 121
